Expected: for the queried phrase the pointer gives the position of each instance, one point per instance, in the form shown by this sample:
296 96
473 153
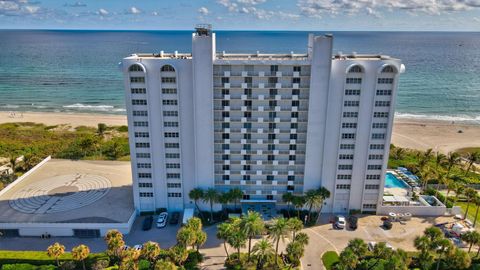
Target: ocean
77 71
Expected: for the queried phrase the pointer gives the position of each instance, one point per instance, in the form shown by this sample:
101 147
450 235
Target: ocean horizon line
238 30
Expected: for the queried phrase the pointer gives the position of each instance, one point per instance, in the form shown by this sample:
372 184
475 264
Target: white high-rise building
265 123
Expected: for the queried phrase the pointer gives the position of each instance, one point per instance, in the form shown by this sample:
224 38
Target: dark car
174 218
147 223
387 225
353 222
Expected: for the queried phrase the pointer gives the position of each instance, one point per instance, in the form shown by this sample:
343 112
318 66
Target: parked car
125 247
162 220
147 223
353 222
174 218
339 222
387 225
371 246
138 247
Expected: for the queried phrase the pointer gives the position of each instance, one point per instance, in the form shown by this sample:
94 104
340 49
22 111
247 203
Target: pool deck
398 191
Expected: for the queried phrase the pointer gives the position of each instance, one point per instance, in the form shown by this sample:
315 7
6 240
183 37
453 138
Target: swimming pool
392 181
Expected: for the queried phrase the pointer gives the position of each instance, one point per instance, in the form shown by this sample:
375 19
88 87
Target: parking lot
324 238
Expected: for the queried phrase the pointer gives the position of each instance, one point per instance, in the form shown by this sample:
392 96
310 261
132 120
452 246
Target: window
388 69
170 113
345 166
372 186
380 103
247 80
142 145
344 176
293 136
272 80
294 114
246 177
169 102
144 175
137 79
167 68
139 102
295 103
225 114
140 123
143 155
384 92
355 69
377 146
350 114
378 136
169 90
170 124
145 185
349 125
273 68
369 206
345 156
352 92
375 157
174 185
380 114
168 80
172 145
291 157
140 113
138 90
135 68
174 194
172 155
351 103
354 80
385 80
297 68
373 177
173 176
227 167
347 146
225 80
343 186
172 165
142 134
374 167
291 178
379 125
225 91
269 177
348 135
146 194
227 103
295 92
295 80
171 134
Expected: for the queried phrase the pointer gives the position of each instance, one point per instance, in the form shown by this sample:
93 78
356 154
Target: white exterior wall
196 86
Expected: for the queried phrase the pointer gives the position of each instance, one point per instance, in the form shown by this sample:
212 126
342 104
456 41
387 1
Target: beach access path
443 136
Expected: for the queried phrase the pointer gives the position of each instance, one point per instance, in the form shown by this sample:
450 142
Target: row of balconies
259 152
218 125
300 141
302 108
267 183
266 171
295 74
262 160
263 130
260 85
257 95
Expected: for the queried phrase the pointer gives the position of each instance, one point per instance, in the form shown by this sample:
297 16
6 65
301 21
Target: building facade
265 123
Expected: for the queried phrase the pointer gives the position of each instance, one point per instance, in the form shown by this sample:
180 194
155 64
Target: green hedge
26 266
329 258
41 258
440 197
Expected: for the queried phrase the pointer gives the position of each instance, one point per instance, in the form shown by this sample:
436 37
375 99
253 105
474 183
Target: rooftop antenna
203 29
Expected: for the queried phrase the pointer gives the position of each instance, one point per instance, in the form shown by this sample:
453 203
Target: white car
138 247
162 220
340 222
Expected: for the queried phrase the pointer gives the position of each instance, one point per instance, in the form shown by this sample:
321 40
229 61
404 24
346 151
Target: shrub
194 258
26 266
100 265
329 258
143 265
440 197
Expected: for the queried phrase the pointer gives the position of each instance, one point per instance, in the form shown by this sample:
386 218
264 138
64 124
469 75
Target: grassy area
38 257
471 211
329 258
468 150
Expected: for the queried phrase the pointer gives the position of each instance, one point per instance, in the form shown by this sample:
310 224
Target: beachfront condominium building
265 123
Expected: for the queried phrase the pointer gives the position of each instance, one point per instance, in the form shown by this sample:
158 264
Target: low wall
414 210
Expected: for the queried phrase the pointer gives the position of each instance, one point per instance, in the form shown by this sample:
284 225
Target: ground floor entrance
266 208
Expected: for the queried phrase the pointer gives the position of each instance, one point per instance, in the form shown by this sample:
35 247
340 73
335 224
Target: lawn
329 258
38 257
471 210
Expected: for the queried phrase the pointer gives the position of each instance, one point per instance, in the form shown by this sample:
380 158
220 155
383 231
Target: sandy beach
416 134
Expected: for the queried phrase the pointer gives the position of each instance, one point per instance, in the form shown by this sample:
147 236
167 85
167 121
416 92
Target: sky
333 15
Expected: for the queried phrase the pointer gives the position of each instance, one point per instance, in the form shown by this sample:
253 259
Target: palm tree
80 253
459 190
288 198
348 260
471 194
196 194
224 231
237 238
472 157
301 238
200 239
472 238
130 259
236 195
165 265
312 199
453 159
442 247
211 196
423 244
252 225
278 231
150 251
263 249
186 237
224 199
178 254
359 247
298 202
476 201
295 225
441 179
295 251
324 194
381 252
56 250
450 187
433 233
114 240
440 160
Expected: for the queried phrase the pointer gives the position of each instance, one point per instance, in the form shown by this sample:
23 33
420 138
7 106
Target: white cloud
251 2
102 12
76 4
203 11
250 7
155 13
134 10
18 7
